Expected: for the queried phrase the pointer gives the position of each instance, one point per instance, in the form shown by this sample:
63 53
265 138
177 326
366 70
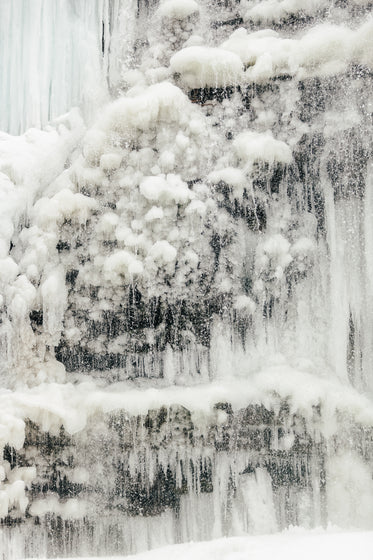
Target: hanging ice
185 271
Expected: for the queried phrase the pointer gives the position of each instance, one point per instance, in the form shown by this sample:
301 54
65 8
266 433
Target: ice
54 297
54 405
287 546
159 101
110 162
163 252
178 9
44 81
207 66
71 509
251 146
271 11
346 472
185 274
122 263
75 52
244 303
325 49
165 189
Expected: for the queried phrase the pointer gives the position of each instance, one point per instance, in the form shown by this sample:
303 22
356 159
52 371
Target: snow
108 222
232 176
70 509
162 101
54 296
325 49
155 213
343 505
49 213
30 162
52 405
110 162
178 9
163 252
207 66
244 304
203 216
122 263
274 255
166 189
270 11
254 146
8 270
289 545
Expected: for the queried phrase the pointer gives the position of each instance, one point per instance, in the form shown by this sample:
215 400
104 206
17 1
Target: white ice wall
54 54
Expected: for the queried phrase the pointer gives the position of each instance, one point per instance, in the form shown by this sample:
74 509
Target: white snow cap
178 9
162 101
122 263
244 304
207 67
273 256
169 189
269 11
70 509
324 50
254 146
231 176
49 213
163 252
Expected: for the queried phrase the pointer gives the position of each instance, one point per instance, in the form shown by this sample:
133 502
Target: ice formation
186 265
288 545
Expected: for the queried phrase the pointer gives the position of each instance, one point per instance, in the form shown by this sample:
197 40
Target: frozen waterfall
186 271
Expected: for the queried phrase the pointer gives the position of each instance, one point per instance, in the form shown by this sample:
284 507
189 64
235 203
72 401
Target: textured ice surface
186 272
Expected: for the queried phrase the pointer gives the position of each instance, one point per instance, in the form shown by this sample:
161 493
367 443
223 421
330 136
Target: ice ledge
52 405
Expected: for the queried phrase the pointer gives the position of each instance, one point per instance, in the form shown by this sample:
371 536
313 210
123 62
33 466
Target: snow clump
175 9
207 67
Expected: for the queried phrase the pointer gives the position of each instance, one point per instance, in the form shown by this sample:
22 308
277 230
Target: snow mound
159 102
178 9
270 11
207 67
254 146
325 49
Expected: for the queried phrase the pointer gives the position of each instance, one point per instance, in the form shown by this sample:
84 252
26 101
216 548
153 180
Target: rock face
186 277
